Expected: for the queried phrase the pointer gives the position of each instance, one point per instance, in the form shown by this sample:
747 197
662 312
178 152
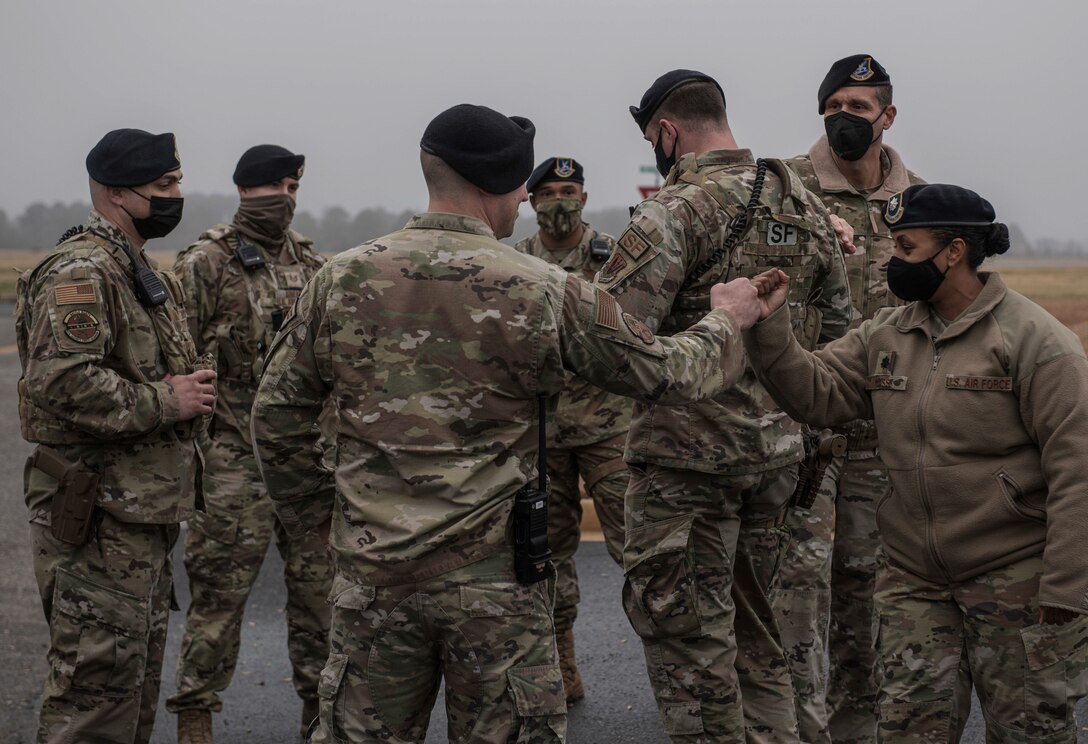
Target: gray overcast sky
991 93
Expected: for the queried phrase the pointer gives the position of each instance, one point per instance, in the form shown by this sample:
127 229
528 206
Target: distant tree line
40 225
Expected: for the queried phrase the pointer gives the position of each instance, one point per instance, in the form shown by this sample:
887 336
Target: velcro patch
75 294
81 327
640 329
634 242
615 265
885 362
969 382
779 233
885 382
608 310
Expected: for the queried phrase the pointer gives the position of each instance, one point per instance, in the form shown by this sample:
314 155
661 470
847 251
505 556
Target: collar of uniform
832 180
116 241
723 157
993 292
453 222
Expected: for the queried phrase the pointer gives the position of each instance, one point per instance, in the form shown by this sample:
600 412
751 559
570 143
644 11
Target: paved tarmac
260 706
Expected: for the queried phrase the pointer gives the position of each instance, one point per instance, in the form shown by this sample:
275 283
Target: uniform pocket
99 639
496 600
1055 674
330 711
659 586
347 595
1014 497
540 702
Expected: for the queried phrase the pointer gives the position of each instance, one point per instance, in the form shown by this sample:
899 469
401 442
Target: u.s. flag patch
75 294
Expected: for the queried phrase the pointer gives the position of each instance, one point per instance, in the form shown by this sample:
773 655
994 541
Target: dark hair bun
997 241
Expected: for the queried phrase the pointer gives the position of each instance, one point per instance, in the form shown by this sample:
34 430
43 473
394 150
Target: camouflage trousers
225 546
801 600
852 688
490 638
107 603
936 639
696 592
600 465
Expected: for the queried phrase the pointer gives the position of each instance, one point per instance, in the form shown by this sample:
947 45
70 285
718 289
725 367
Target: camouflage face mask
558 218
265 218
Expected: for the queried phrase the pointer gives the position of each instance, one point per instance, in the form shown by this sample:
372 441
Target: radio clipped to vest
150 290
599 249
249 256
530 521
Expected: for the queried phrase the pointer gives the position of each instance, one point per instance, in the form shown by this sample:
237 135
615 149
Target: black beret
132 157
556 169
937 205
855 70
488 149
263 164
661 88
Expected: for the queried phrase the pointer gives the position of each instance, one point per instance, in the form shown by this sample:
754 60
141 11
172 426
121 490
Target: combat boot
572 679
310 709
195 726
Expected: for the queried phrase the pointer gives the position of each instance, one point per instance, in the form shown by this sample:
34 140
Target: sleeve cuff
169 409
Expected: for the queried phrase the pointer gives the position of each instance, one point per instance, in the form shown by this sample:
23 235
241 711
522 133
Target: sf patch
81 327
640 329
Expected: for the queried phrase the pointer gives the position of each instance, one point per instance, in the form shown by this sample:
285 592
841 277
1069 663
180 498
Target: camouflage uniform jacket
94 361
982 426
232 310
742 430
867 269
434 342
586 414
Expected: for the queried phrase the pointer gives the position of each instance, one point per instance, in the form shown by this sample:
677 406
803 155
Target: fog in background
990 94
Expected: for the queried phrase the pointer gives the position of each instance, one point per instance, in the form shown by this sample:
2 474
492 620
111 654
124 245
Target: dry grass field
1062 288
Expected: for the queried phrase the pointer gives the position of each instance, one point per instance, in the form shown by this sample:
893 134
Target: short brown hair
694 104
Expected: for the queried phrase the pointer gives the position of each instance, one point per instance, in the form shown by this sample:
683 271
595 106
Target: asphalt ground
260 707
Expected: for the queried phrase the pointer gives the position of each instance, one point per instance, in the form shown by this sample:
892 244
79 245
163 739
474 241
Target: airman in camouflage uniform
435 342
240 280
110 396
820 579
587 438
711 480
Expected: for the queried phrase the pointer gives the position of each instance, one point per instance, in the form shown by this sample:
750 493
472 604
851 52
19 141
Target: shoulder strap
737 227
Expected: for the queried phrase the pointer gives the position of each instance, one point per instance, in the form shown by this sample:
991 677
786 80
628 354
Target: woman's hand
771 288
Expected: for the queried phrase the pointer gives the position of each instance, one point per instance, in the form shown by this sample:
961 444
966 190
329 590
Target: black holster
820 449
77 491
530 517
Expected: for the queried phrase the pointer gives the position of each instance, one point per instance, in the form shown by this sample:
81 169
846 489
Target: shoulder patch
608 312
634 242
640 329
81 293
614 266
81 326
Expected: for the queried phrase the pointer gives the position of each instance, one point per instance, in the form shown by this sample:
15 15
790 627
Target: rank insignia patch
564 167
81 327
75 294
864 71
639 328
885 362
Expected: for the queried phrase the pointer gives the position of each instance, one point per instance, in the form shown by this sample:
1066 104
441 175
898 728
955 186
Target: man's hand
1056 616
845 231
771 287
195 393
739 299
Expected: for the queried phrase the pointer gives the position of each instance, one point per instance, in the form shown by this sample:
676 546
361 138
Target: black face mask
915 281
164 216
664 162
849 135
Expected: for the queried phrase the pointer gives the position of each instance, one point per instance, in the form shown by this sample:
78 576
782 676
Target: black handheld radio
599 250
531 552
